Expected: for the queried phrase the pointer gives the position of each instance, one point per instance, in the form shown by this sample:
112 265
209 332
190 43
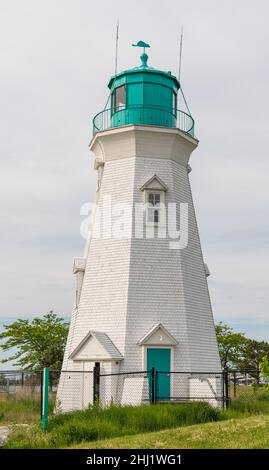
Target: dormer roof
154 183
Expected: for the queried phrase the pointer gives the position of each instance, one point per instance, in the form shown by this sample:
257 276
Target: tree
3 379
38 343
230 345
253 353
264 368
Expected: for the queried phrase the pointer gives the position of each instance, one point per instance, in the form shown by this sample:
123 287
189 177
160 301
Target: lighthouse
141 298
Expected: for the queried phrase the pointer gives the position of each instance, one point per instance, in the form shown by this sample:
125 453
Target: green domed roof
144 69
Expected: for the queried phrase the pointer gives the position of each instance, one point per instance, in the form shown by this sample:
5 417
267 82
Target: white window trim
162 211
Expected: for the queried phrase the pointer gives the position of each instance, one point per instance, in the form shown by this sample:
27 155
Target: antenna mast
180 54
117 42
179 70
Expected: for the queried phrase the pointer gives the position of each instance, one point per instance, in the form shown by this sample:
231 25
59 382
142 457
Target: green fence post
45 398
226 375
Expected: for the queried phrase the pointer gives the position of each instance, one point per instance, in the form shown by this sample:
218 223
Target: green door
160 359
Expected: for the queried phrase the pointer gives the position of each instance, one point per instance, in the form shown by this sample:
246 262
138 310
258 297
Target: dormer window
153 207
155 190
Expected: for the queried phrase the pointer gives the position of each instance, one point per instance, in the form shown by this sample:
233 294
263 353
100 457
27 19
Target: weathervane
144 56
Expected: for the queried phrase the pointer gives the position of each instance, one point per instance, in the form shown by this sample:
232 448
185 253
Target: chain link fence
244 383
182 387
20 395
76 390
17 382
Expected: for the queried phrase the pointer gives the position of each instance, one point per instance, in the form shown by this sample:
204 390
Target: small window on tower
119 98
153 207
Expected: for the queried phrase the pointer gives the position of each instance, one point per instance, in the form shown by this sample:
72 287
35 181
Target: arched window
153 207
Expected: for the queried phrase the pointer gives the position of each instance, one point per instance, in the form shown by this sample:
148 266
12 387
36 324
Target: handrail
148 115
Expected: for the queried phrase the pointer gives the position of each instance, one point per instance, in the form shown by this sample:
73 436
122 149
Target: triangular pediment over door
96 346
158 335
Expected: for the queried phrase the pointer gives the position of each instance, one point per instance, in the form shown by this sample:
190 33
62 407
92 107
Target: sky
56 61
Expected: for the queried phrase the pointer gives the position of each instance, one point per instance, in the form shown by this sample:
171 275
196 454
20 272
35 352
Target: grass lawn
195 425
21 408
239 433
18 410
97 423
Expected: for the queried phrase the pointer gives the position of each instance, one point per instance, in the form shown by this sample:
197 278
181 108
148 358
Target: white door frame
172 358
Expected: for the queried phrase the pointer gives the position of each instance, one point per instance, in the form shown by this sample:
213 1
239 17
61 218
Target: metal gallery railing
143 115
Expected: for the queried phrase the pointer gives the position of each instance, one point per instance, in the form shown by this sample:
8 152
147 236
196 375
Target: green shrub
263 395
97 423
255 404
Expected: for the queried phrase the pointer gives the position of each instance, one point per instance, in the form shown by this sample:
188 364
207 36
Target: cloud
57 58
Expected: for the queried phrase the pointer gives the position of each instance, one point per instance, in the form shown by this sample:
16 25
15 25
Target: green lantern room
143 96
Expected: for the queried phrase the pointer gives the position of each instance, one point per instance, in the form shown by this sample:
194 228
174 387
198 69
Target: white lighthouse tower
141 297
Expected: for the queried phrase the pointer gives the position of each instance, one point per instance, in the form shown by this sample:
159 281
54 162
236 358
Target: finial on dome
144 56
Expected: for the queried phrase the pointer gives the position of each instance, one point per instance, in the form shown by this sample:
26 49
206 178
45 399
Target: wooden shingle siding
132 284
